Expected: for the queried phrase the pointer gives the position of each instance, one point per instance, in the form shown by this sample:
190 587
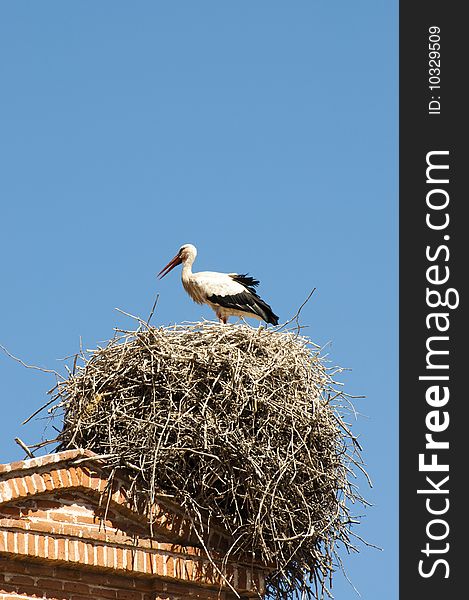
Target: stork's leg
221 318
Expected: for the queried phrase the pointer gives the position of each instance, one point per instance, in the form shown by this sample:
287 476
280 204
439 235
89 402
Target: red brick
41 526
87 520
29 483
21 579
30 591
66 495
52 594
56 479
97 578
39 484
11 539
65 477
75 476
176 588
63 517
170 566
47 504
41 547
76 588
160 562
10 511
20 485
85 478
71 574
14 524
51 584
73 551
20 541
81 553
17 465
188 570
128 595
30 568
102 592
38 514
48 482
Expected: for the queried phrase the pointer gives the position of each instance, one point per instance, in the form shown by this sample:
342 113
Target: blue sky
265 133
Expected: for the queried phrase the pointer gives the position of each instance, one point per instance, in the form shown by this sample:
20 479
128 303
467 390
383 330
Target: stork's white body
206 284
228 294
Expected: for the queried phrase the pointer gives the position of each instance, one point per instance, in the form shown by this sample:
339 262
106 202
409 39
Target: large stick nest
243 427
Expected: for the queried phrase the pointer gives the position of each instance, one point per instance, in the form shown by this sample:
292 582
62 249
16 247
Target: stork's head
187 252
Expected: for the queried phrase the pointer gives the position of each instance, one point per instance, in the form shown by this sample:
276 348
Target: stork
228 294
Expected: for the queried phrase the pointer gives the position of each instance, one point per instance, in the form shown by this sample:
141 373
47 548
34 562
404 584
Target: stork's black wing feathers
248 302
249 282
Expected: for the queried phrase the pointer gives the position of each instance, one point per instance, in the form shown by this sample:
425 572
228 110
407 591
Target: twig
78 461
153 309
42 444
36 412
25 448
31 366
296 316
138 319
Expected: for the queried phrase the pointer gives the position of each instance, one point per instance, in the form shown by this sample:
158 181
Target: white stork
228 294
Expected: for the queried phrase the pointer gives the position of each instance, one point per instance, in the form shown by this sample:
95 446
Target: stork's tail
265 311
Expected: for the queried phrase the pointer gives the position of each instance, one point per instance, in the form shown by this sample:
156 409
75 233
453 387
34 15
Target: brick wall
57 542
36 580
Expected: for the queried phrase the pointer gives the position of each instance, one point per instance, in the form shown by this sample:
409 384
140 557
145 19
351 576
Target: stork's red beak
174 262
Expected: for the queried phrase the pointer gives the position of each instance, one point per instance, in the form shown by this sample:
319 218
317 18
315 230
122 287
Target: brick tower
58 541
